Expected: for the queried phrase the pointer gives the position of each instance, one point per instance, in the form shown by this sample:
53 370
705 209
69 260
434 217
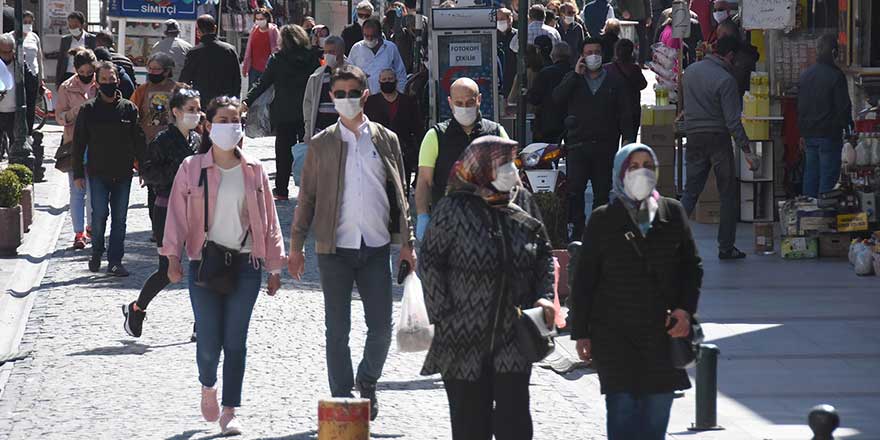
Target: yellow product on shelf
757 130
763 105
647 115
664 115
750 105
662 96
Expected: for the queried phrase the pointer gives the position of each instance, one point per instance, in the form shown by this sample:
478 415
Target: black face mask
387 87
109 90
156 78
86 79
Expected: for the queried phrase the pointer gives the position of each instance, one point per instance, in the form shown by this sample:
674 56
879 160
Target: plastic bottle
863 152
848 155
875 151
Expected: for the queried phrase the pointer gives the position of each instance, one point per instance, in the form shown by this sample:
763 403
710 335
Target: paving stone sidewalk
87 379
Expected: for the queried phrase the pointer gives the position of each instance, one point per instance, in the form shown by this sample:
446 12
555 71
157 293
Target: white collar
363 128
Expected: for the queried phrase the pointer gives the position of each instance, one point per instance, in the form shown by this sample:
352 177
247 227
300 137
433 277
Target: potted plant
11 229
26 178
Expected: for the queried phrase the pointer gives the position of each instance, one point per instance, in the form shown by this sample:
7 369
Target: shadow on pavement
50 209
422 384
189 434
308 435
127 348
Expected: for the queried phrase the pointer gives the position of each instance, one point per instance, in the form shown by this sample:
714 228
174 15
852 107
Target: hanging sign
178 9
768 14
681 20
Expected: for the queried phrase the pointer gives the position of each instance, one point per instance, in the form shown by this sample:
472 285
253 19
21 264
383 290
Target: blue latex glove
422 225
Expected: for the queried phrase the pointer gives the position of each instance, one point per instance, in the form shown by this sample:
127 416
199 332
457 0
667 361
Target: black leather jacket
164 156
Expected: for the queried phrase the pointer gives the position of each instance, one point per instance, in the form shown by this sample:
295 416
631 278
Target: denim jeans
638 417
80 205
254 75
370 268
109 196
222 322
822 168
715 151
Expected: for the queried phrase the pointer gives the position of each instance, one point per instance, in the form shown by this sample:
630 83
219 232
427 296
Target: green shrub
25 175
10 189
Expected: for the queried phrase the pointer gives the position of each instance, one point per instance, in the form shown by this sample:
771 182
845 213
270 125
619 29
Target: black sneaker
368 391
95 263
117 270
134 320
732 254
193 337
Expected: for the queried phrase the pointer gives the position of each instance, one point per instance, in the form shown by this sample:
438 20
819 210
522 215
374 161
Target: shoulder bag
64 157
218 269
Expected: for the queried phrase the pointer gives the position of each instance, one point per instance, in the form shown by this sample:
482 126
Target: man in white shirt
352 199
7 89
536 28
174 46
78 37
374 54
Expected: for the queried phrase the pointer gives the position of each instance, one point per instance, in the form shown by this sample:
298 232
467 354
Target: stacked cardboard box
661 138
708 208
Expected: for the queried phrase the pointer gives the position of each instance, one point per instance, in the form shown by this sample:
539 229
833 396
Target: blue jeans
371 269
253 76
222 322
638 417
109 196
822 167
80 207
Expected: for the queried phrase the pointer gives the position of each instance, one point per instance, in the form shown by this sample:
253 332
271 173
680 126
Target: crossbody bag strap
203 181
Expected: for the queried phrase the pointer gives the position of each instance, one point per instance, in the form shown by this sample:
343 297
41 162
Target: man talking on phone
599 102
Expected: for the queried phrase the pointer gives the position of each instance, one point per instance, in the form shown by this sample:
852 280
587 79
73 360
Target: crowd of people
356 100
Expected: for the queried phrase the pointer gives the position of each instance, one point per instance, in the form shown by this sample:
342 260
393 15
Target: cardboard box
656 136
664 115
799 248
816 221
666 176
868 204
708 213
665 155
834 245
852 222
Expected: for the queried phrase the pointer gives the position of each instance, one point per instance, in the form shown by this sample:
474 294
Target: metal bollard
823 420
707 389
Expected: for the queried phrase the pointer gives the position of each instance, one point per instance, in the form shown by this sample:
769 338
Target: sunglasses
342 94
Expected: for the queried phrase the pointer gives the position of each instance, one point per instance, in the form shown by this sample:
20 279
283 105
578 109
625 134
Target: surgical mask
502 26
361 21
226 136
348 108
109 89
371 43
594 62
262 23
330 59
720 16
27 28
506 177
189 121
76 32
639 184
568 20
466 116
321 41
388 87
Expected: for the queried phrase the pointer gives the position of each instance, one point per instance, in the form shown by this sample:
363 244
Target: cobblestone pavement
87 379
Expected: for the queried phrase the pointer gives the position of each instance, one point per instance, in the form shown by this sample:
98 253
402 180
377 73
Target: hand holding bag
218 269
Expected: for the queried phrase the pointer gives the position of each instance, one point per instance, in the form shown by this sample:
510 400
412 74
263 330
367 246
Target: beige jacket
323 180
311 100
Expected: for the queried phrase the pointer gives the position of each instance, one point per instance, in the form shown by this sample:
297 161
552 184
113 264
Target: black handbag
218 269
682 351
64 157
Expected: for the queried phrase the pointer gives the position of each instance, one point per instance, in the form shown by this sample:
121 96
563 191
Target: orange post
344 419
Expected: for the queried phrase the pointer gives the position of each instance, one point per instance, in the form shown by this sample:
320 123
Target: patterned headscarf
475 169
644 210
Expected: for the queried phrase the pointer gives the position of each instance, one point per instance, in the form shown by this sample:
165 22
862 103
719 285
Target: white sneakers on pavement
229 423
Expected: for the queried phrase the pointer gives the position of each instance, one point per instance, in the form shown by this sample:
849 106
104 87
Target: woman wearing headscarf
485 253
636 285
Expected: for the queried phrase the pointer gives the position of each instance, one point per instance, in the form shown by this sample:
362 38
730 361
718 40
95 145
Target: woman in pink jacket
71 95
264 40
241 217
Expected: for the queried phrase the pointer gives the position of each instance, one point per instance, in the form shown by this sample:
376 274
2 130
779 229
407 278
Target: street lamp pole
19 148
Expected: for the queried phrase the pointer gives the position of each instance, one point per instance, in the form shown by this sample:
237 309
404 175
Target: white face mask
466 116
226 136
189 121
639 184
371 43
348 108
594 62
506 177
76 32
720 16
262 23
27 28
361 21
502 25
568 20
330 59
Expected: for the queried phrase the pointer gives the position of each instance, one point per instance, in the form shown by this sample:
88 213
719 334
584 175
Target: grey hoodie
712 103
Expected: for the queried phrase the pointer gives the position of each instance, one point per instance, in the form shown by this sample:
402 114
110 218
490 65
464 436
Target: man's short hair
336 41
8 38
374 23
537 13
562 51
590 40
76 15
206 24
348 72
105 65
104 38
727 44
365 4
826 44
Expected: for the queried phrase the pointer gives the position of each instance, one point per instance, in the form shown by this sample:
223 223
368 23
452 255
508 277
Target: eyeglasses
341 94
364 16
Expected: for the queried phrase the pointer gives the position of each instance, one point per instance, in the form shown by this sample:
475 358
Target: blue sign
179 9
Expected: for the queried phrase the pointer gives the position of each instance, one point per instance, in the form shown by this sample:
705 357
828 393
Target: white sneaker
229 424
210 407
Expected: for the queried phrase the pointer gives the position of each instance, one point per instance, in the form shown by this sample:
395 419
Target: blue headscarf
621 164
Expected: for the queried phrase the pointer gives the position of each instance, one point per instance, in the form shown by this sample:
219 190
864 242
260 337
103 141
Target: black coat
113 136
407 124
508 60
212 69
289 72
63 58
462 268
550 117
603 116
163 157
351 35
620 300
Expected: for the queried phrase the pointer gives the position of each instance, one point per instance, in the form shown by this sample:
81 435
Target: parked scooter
539 164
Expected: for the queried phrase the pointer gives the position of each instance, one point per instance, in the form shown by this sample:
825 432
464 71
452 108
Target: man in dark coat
105 39
355 32
126 84
7 100
550 117
506 55
78 37
212 66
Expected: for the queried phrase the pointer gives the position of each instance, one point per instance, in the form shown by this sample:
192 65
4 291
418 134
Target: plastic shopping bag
864 263
299 159
258 122
414 330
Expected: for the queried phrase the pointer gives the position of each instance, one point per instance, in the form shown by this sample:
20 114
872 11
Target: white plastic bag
864 261
875 151
877 264
414 330
863 153
855 247
258 122
848 155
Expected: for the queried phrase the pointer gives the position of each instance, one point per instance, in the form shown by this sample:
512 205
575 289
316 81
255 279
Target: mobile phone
403 271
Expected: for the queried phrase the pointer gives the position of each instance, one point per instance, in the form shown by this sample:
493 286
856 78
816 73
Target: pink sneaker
210 407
